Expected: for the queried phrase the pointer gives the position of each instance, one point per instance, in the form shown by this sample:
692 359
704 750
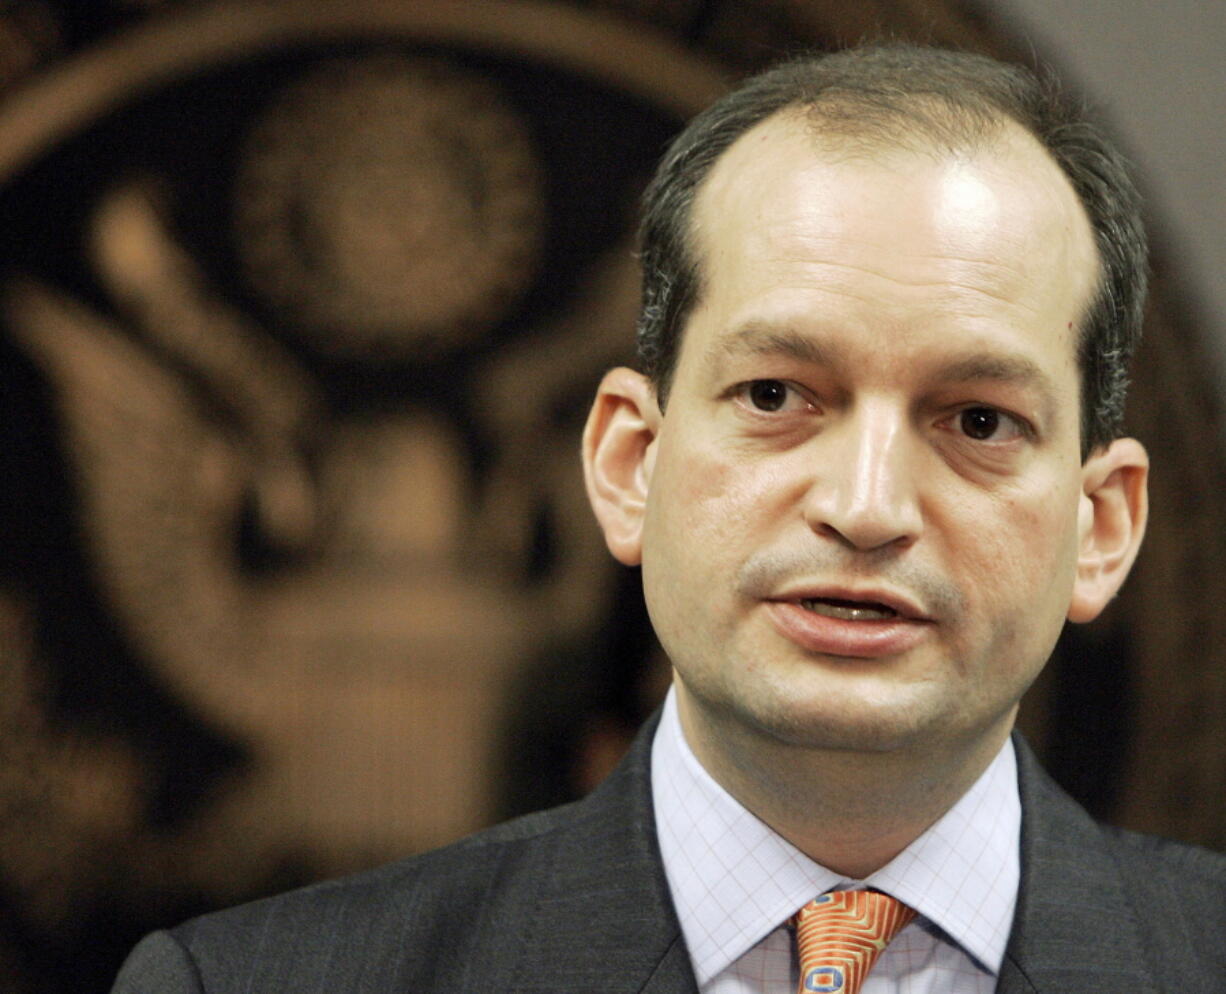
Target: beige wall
1159 72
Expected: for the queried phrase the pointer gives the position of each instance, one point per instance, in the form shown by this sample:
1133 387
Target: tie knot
840 935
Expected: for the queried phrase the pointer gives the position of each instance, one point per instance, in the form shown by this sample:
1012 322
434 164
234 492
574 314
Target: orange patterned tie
841 934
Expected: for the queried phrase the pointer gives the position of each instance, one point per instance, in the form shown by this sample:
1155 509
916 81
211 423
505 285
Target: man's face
865 500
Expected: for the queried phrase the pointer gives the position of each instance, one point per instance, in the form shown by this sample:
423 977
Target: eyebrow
757 339
1005 368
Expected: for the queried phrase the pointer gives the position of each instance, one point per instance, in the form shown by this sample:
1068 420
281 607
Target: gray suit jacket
575 900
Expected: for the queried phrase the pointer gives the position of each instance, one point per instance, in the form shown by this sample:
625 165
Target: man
870 467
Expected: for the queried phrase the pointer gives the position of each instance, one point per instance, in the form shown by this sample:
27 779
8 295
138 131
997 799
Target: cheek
1024 558
705 500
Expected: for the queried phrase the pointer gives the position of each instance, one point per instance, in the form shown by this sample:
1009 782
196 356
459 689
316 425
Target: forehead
787 212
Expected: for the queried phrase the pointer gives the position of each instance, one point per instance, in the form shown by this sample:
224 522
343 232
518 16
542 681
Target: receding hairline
847 125
931 126
918 122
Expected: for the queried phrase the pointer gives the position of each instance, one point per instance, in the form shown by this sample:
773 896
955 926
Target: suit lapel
1074 929
604 919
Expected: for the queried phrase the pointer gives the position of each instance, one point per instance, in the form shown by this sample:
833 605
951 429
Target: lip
906 608
867 639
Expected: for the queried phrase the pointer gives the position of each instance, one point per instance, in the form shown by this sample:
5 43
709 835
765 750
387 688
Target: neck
851 811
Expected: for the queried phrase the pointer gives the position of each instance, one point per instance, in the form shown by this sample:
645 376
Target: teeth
849 611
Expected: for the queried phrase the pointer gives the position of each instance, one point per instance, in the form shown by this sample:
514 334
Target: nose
865 490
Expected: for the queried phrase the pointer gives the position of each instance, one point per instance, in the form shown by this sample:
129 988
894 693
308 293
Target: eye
767 395
770 396
986 424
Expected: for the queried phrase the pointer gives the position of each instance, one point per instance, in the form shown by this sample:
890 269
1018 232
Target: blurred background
301 307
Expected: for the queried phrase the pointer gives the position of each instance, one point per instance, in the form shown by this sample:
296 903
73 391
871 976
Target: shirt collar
734 880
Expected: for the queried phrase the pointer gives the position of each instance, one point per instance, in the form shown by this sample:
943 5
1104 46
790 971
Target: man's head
868 508
902 94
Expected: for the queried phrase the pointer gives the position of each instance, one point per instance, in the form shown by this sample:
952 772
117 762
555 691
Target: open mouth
831 607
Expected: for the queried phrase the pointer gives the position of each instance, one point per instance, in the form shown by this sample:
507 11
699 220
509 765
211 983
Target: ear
1111 522
618 455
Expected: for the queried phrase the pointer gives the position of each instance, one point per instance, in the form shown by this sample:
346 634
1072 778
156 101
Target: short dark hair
903 92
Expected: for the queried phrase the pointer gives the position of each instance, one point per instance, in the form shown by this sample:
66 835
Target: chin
856 724
847 733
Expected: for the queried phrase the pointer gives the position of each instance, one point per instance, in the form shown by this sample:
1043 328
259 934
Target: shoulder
1179 893
1112 903
1056 830
1150 864
397 925
380 921
425 923
1162 857
1187 882
464 870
